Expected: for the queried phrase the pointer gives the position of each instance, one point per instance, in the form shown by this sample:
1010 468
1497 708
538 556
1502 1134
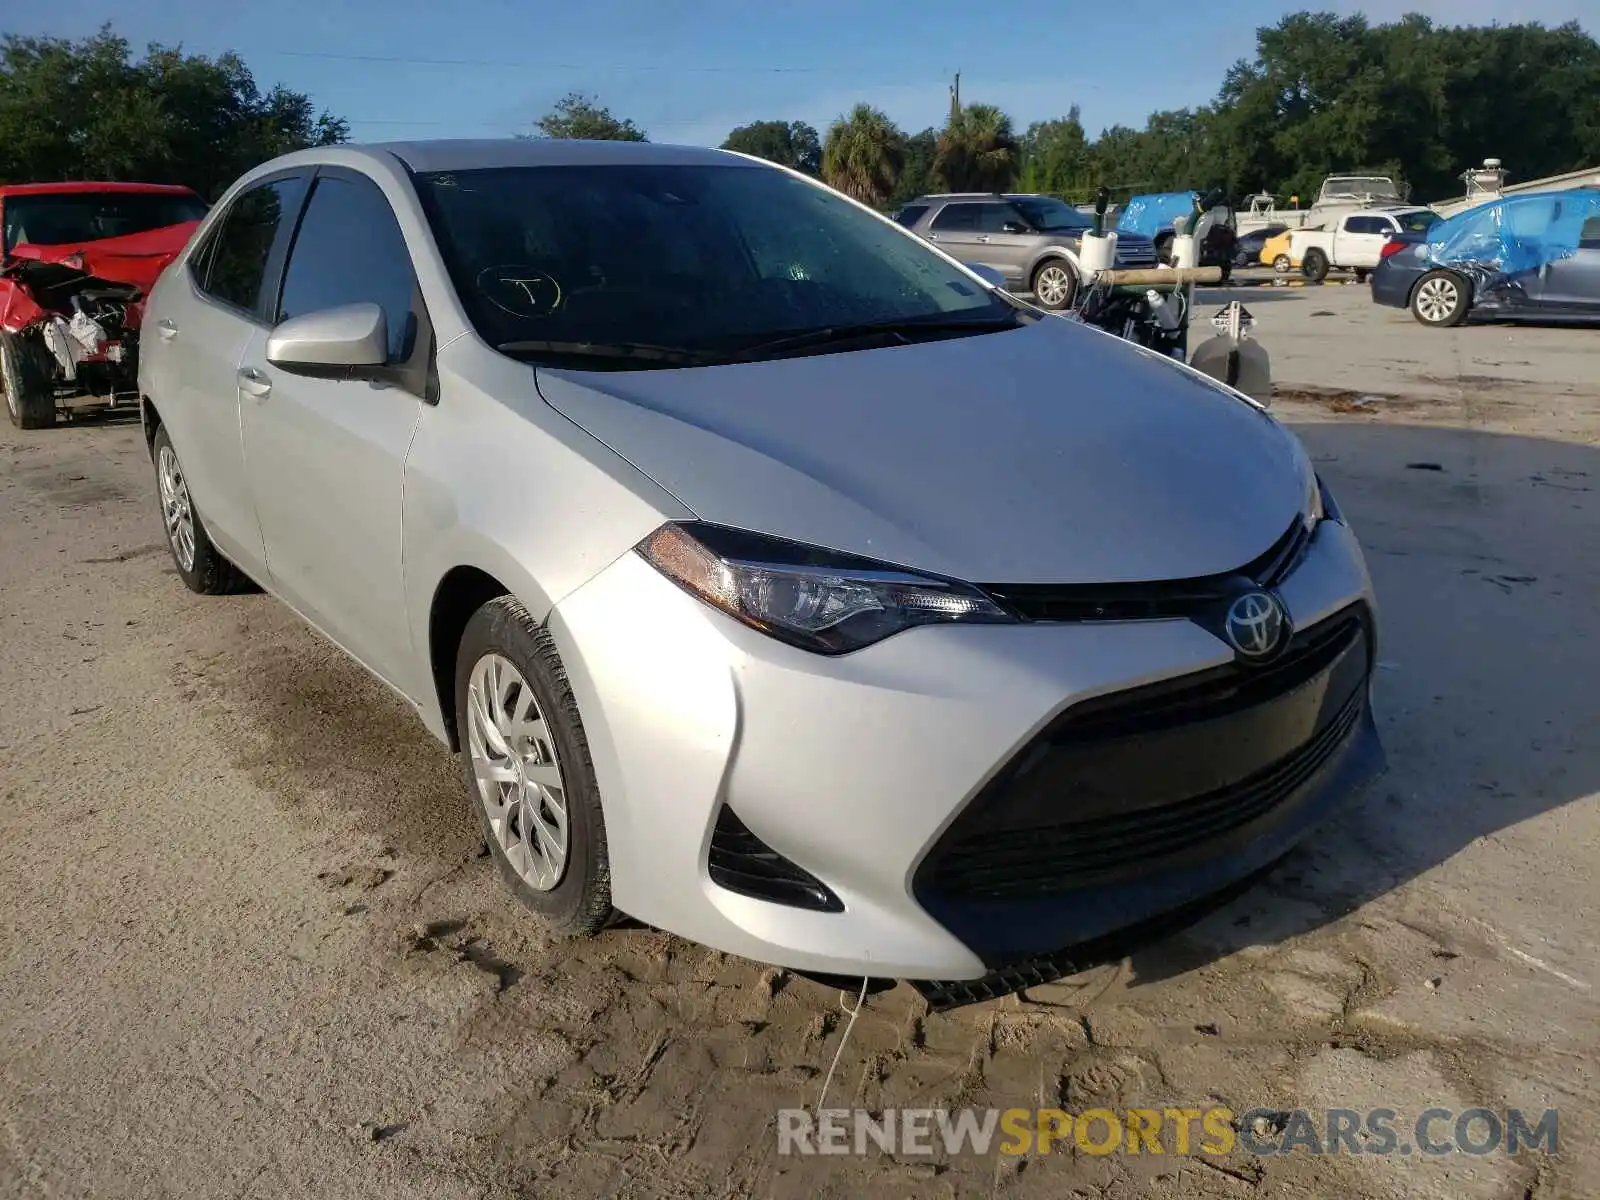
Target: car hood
1052 453
136 258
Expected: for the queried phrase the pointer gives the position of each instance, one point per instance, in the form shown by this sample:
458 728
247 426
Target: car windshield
1417 222
63 218
1051 215
675 260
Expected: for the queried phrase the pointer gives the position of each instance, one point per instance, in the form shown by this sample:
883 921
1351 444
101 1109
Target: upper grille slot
1157 599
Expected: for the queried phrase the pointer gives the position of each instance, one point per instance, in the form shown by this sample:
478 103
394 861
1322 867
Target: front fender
1051 252
18 309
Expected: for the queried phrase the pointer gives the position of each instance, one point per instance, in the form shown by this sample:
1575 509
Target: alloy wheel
1437 300
517 771
1053 286
176 509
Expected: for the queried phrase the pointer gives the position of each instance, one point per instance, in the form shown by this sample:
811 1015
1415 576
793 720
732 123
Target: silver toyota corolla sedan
779 581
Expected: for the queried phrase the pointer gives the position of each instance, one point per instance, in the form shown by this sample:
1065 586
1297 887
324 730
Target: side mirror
987 273
349 336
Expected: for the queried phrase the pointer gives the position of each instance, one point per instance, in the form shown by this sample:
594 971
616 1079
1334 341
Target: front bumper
858 768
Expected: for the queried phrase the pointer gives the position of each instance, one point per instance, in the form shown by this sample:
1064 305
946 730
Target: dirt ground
248 947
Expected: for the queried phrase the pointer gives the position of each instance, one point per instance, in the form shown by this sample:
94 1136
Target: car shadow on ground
1483 550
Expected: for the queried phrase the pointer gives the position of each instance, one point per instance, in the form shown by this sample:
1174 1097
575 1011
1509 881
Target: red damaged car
76 263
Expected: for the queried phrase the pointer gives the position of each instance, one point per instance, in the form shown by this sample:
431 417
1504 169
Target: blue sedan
1534 257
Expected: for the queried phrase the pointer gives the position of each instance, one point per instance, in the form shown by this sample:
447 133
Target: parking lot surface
248 946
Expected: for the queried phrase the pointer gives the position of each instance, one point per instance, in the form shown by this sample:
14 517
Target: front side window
705 259
233 264
68 218
992 218
349 250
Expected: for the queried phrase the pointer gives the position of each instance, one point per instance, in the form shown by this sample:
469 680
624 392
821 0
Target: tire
1227 270
574 896
1283 264
27 373
1314 266
200 565
1361 274
1163 248
1054 284
1440 300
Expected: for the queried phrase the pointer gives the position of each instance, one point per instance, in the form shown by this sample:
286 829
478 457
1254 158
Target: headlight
1322 506
819 600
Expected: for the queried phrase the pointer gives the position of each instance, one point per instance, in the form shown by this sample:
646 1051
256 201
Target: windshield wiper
615 351
906 330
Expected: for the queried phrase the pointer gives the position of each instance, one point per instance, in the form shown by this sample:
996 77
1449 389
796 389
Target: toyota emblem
1256 625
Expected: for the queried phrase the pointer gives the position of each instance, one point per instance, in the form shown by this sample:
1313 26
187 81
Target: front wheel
1440 300
27 373
1282 264
528 769
1055 284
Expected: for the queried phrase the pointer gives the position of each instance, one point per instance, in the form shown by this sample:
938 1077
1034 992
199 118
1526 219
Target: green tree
788 143
863 155
977 151
90 110
916 173
576 115
1055 156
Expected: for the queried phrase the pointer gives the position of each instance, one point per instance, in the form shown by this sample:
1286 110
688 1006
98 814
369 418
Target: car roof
78 186
467 154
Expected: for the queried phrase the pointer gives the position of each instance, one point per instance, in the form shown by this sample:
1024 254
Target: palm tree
978 151
863 154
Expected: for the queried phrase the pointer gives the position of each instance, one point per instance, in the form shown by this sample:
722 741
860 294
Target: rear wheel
27 372
1440 300
1314 266
1361 274
1055 284
200 565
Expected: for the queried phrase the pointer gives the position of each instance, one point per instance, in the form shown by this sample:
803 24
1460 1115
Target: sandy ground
248 947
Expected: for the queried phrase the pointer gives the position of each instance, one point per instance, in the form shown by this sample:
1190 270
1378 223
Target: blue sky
690 72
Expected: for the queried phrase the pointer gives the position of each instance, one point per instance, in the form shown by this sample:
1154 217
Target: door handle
933 237
254 383
984 238
166 329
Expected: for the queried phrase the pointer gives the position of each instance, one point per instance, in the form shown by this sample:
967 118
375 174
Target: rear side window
235 262
349 250
1366 225
957 216
1589 236
910 214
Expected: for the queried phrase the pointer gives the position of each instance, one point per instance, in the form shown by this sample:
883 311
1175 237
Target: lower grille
1026 863
743 863
1124 784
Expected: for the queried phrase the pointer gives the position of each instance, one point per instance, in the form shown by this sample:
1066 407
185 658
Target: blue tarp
1514 234
1150 215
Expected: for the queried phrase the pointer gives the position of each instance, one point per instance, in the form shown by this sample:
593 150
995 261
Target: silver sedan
778 580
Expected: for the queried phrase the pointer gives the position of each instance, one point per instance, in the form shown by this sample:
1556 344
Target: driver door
325 456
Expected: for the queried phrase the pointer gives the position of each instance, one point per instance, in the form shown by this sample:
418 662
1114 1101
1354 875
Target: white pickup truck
1355 242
